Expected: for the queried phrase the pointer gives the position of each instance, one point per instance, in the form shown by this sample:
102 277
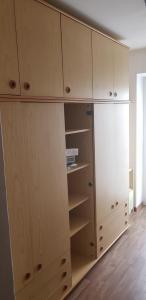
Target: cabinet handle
125 204
125 213
112 206
101 248
115 94
110 93
126 222
117 203
12 84
27 276
26 86
65 288
39 267
64 274
63 261
100 227
92 244
68 89
101 238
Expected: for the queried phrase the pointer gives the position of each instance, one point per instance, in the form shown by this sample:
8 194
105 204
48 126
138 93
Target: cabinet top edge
81 22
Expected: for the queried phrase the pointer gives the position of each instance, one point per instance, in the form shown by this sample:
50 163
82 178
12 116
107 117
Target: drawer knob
90 184
39 267
110 93
92 244
115 94
100 227
65 288
126 222
27 276
125 204
101 248
68 89
125 213
26 86
64 274
112 206
12 84
101 238
117 203
63 261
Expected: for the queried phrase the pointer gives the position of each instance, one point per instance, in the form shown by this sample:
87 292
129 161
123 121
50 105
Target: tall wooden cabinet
9 74
39 47
36 192
111 171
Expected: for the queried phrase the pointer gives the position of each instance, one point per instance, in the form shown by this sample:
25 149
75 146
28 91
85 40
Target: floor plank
121 273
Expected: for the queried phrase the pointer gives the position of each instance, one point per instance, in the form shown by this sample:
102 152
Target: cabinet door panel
103 73
8 49
77 59
45 133
39 44
121 129
121 74
104 158
18 200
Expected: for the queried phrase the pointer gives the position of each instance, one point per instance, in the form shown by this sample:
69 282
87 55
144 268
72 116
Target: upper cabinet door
103 73
121 74
9 74
77 59
39 44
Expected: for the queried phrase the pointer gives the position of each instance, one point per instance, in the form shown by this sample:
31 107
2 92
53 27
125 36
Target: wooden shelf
76 168
75 131
76 200
80 266
76 224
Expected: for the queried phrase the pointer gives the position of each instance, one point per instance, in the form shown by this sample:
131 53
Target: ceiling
124 20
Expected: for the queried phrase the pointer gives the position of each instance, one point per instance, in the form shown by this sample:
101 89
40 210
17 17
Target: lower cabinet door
110 229
47 282
36 183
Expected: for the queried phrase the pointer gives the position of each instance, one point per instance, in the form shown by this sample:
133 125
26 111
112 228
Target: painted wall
144 141
137 65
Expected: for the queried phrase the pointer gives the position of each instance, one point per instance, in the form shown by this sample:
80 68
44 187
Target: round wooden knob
112 206
125 213
100 227
125 204
101 238
39 267
64 274
27 276
68 89
90 184
27 86
63 261
117 203
110 93
12 84
92 244
65 288
101 248
126 222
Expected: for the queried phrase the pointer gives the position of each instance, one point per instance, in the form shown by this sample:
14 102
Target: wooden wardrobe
63 84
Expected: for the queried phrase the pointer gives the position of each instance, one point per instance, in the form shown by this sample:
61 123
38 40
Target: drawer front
109 230
48 280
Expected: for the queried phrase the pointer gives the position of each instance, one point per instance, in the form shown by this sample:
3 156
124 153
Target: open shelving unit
79 134
77 168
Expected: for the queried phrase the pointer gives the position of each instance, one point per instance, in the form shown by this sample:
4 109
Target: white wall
144 141
137 65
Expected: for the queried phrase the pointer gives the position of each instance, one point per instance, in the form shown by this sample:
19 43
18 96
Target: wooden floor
121 273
